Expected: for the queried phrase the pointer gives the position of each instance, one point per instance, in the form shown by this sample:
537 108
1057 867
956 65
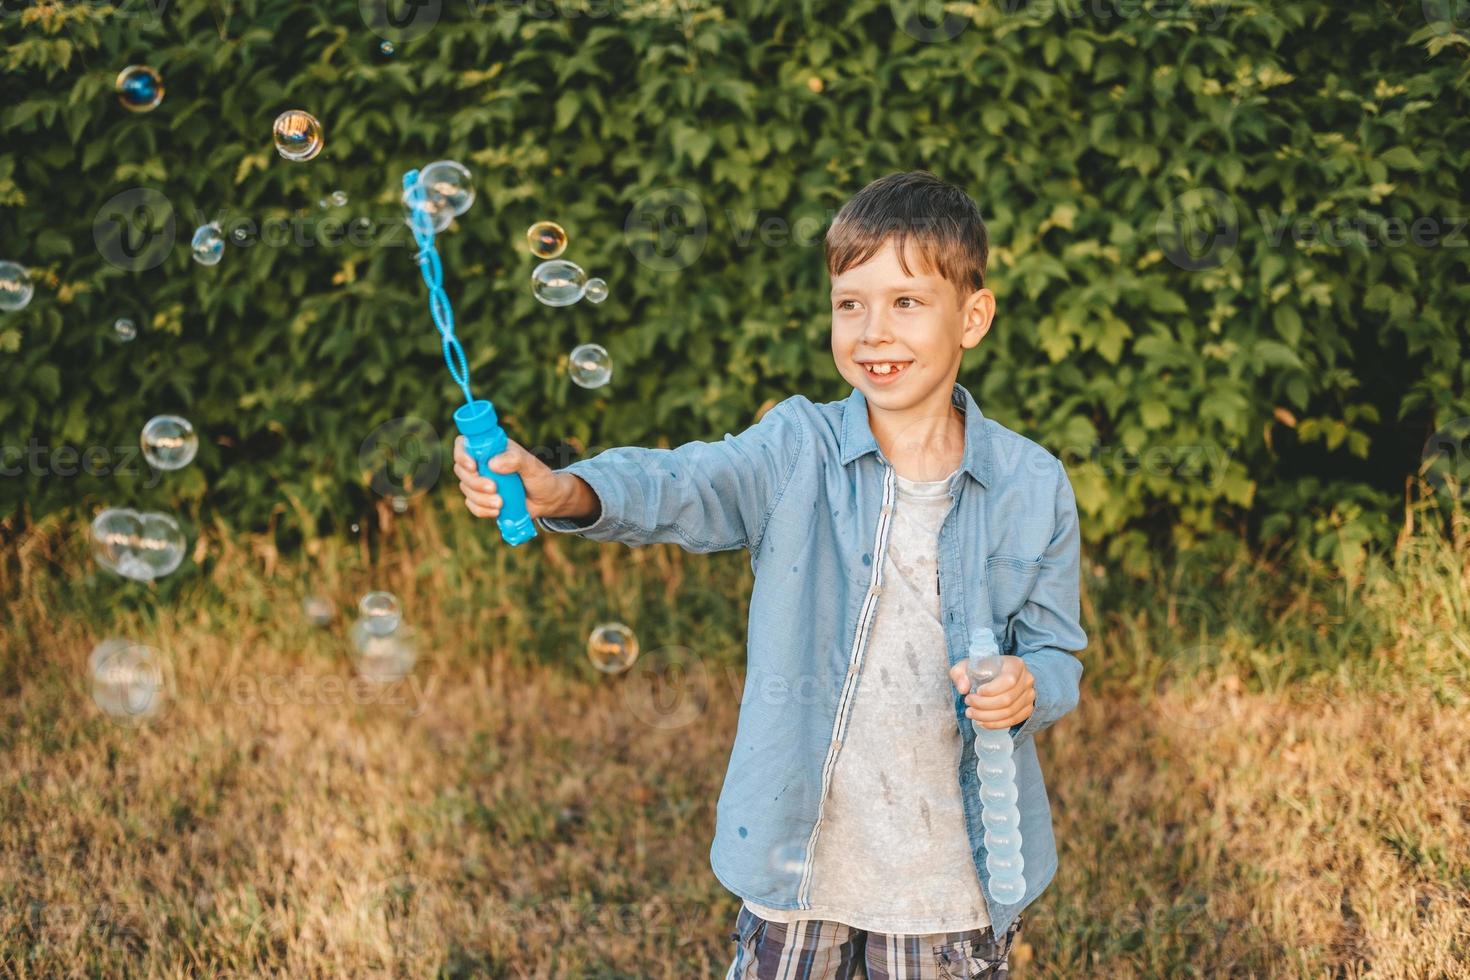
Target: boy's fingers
997 685
1002 700
484 498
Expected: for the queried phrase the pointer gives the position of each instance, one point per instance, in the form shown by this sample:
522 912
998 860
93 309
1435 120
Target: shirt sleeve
702 496
1048 628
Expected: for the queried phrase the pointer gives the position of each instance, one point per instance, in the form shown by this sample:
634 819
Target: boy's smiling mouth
885 370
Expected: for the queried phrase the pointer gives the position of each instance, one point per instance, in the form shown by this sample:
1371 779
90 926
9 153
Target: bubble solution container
997 772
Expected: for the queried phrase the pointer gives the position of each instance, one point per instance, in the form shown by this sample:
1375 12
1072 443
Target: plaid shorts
817 948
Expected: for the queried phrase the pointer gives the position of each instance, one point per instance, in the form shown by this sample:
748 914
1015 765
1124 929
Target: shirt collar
858 439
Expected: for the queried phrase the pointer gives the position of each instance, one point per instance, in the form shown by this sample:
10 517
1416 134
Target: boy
883 529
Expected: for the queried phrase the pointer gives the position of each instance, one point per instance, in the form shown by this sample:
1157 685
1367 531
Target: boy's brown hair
943 220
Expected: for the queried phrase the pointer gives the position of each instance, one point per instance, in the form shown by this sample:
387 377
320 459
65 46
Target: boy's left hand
1001 701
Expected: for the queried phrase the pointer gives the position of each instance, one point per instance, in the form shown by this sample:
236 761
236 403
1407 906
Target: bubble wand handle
997 774
476 418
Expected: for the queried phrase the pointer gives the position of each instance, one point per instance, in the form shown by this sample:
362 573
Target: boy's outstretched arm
702 496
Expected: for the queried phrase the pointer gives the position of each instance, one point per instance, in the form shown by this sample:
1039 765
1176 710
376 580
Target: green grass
1267 774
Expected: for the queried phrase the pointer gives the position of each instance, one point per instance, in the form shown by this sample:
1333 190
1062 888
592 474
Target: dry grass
1292 808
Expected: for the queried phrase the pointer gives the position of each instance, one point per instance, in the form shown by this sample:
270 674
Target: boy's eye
844 304
907 299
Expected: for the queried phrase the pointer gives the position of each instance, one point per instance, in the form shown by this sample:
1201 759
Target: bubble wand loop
475 419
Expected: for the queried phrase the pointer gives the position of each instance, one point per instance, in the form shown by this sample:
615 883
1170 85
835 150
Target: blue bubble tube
475 419
997 772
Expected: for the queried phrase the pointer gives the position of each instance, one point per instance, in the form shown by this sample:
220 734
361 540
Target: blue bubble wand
475 419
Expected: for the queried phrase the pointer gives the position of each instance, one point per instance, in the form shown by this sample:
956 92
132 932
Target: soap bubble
381 613
612 647
596 290
547 239
138 546
590 365
139 88
386 49
338 199
169 442
298 135
448 191
124 329
558 282
385 658
208 246
319 610
126 678
16 288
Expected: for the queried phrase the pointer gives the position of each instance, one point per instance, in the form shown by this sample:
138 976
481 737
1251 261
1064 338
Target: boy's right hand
545 491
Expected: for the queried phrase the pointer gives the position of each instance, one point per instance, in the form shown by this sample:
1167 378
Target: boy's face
918 324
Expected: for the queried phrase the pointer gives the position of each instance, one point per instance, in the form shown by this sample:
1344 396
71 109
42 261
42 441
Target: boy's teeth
884 368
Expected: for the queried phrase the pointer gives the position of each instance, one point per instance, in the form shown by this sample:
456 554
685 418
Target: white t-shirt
893 854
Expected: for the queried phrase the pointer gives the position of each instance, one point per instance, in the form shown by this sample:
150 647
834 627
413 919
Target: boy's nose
876 329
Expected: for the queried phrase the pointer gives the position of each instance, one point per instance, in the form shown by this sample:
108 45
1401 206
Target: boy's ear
978 311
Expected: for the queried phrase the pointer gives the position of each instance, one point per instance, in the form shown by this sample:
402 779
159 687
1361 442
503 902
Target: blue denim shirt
809 493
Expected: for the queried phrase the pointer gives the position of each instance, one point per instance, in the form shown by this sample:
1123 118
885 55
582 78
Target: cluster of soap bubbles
997 772
560 282
147 545
126 678
385 649
612 647
297 135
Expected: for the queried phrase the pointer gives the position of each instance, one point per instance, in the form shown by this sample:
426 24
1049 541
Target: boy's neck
923 444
